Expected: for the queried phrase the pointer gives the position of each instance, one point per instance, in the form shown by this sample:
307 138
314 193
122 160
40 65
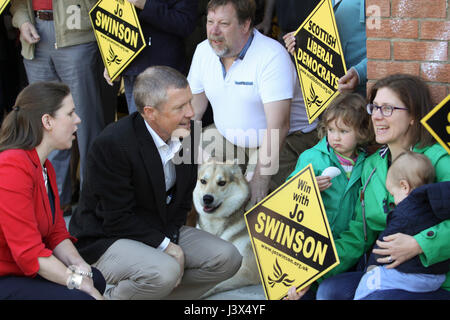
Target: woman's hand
294 295
397 248
88 286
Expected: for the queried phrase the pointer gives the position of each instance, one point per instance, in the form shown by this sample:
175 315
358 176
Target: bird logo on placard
314 98
113 57
280 276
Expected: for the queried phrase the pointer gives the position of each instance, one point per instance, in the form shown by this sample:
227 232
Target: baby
420 204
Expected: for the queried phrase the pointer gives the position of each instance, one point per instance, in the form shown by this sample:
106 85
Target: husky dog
219 198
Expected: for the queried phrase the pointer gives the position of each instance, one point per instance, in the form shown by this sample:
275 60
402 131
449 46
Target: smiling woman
37 257
399 131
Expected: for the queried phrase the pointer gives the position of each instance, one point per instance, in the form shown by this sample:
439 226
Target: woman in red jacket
37 257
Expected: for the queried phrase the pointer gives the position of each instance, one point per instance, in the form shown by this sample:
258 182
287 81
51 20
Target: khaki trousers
140 272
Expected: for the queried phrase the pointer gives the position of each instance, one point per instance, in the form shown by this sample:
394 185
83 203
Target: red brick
437 72
383 7
435 30
421 50
438 92
378 49
394 28
419 8
377 69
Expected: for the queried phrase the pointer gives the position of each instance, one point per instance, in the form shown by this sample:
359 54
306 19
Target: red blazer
27 229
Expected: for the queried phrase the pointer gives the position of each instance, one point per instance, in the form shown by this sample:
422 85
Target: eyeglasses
385 110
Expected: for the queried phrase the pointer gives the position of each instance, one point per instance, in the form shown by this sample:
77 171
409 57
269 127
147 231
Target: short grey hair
150 87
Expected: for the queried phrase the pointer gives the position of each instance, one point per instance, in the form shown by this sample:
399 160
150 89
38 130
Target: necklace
45 175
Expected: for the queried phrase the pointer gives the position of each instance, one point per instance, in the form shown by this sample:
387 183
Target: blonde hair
413 167
351 109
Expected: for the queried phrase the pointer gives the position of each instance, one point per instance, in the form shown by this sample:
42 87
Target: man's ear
247 25
149 112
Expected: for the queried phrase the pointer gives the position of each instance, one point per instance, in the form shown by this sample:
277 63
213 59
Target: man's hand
108 79
289 42
29 33
349 81
138 3
177 253
259 187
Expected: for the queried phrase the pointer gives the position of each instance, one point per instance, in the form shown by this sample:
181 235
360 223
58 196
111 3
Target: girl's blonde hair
351 109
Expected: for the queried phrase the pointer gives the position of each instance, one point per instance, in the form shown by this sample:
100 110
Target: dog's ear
236 168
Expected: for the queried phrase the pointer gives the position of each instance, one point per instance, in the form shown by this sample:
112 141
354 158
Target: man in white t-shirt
251 83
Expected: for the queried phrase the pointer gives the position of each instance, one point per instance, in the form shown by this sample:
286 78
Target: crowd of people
129 229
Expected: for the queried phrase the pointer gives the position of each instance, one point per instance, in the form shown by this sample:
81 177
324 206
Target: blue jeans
339 287
128 83
343 287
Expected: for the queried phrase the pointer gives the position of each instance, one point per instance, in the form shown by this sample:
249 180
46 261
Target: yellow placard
319 59
118 32
291 237
3 4
437 122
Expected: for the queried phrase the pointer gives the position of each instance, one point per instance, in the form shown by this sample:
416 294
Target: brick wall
409 36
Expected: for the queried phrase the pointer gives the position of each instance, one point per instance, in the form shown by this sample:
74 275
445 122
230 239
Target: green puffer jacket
71 19
339 199
360 236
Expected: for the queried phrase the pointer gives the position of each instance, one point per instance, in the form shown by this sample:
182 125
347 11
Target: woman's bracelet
74 281
76 270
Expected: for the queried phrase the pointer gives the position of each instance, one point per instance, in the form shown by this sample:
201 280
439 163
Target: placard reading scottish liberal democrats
319 59
291 237
437 122
3 4
118 32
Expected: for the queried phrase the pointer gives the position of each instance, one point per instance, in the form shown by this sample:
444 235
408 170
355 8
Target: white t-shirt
265 74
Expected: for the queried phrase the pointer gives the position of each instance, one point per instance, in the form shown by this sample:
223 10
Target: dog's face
221 188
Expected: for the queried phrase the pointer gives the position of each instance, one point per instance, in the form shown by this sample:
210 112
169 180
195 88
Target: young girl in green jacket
344 129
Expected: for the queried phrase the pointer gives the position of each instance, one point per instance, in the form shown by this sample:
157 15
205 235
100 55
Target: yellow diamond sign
437 122
118 32
319 59
291 237
3 4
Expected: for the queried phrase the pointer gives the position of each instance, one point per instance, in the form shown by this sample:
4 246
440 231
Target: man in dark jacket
136 196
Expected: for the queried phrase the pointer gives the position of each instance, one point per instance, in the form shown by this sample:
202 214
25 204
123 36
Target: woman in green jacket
397 103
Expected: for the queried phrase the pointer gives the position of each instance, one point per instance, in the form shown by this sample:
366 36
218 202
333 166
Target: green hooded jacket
360 236
339 199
